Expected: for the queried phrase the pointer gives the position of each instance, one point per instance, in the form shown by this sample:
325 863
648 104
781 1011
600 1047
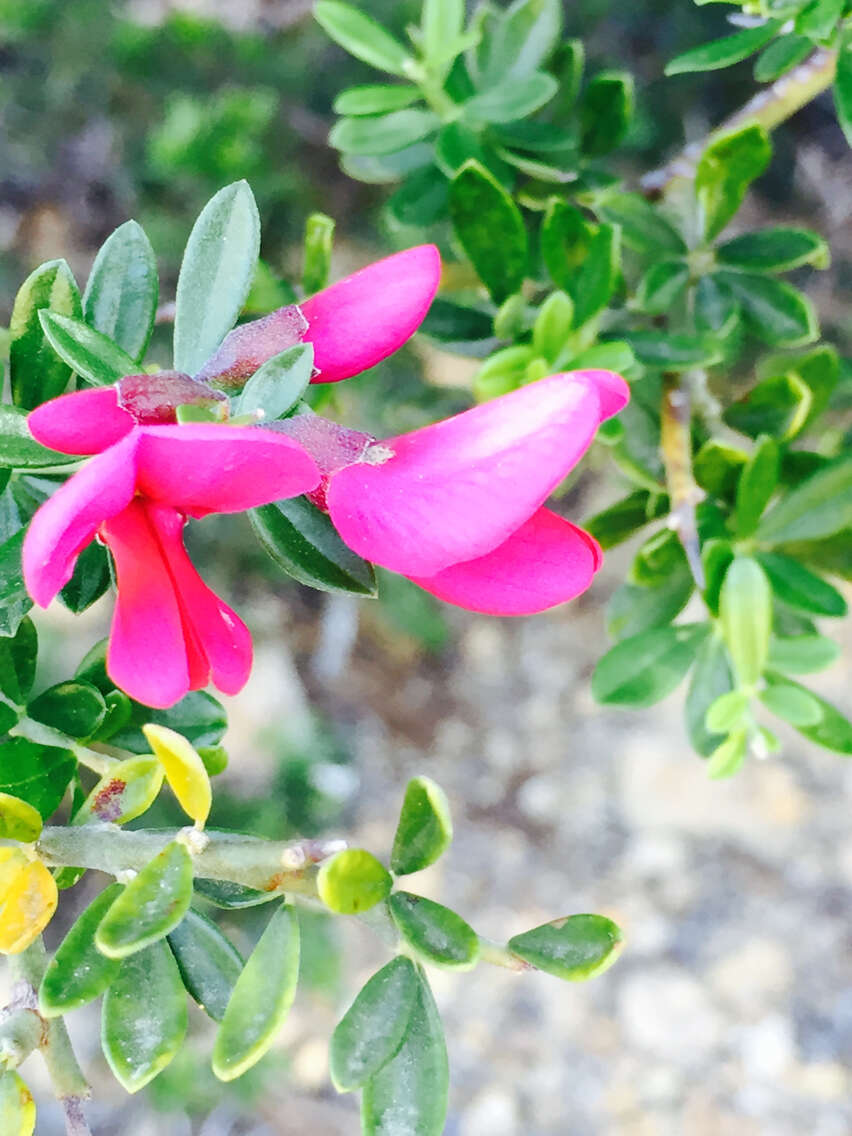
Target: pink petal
147 655
613 391
248 346
546 562
218 642
68 520
454 491
362 319
221 469
84 422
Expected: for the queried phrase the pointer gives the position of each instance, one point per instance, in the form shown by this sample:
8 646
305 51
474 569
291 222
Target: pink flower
458 507
170 633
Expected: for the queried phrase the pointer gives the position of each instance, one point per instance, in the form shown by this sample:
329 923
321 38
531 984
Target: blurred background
730 1012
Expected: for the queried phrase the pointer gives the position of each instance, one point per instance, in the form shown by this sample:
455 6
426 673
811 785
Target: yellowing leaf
184 769
17 1110
18 819
28 899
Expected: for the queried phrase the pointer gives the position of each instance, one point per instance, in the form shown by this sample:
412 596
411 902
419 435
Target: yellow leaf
17 1110
184 769
28 898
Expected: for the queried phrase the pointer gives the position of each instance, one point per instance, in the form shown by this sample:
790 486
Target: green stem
37 732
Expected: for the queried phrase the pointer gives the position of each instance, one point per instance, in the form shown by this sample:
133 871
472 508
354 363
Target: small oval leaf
151 905
209 963
121 293
185 771
35 371
425 829
75 708
78 972
745 611
353 881
575 948
18 820
438 934
28 898
262 998
17 1108
127 791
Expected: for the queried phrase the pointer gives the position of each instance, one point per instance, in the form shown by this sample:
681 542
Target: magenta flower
458 507
170 633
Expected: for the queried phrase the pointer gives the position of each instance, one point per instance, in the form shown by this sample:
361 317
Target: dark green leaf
15 601
424 830
718 467
756 485
777 313
606 108
574 948
74 707
726 169
673 352
745 613
621 520
799 587
379 98
94 357
456 323
121 293
802 654
18 655
643 226
144 1017
457 144
18 448
215 276
565 239
436 933
304 542
711 678
843 84
421 200
36 373
479 208
209 964
780 405
632 610
78 972
817 508
408 1096
151 905
643 669
724 52
198 716
371 1031
781 56
90 580
662 286
716 556
383 134
775 250
511 100
223 893
715 308
594 284
261 999
35 773
278 385
362 37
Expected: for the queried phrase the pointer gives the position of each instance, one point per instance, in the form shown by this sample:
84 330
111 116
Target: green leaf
781 56
408 1096
552 326
643 226
425 829
843 84
383 134
520 41
151 905
606 108
818 507
727 758
35 773
565 239
277 386
144 1017
209 963
35 372
479 208
725 170
817 20
262 997
318 242
724 52
756 484
833 730
643 669
227 895
799 587
593 286
89 581
352 880
18 820
442 23
673 352
777 312
78 972
362 37
745 612
421 200
617 523
371 1031
120 299
718 467
716 557
18 656
662 286
124 793
17 1108
711 678
18 448
436 933
456 323
792 703
457 144
779 405
379 98
381 169
632 610
216 273
304 542
715 308
94 357
574 948
775 250
74 707
802 654
511 100
727 712
15 601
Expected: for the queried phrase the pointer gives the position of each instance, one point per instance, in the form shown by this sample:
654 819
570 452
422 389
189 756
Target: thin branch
676 448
